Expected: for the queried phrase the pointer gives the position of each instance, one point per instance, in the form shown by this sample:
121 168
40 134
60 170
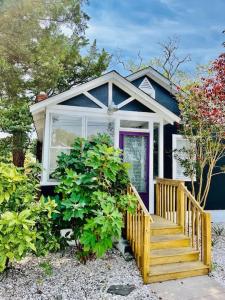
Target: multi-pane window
181 147
64 129
100 125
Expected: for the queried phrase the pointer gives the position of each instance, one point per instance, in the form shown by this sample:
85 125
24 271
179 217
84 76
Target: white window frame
59 147
175 162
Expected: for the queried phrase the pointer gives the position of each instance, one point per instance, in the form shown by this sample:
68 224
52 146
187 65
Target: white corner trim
218 216
95 100
125 102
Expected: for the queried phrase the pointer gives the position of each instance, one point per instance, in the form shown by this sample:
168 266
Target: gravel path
218 256
72 280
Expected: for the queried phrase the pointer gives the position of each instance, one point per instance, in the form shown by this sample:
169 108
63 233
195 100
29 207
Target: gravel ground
72 280
218 256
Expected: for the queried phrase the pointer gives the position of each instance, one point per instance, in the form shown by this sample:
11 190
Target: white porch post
161 149
116 133
151 183
45 155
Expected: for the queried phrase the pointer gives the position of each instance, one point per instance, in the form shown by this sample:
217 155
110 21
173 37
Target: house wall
216 197
161 95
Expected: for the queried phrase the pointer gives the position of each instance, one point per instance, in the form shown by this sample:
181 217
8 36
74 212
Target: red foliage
212 91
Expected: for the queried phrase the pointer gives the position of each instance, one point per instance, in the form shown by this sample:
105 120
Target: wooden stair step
165 229
176 271
173 255
169 241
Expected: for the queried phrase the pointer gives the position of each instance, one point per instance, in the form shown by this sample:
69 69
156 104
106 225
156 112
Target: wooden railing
138 234
175 203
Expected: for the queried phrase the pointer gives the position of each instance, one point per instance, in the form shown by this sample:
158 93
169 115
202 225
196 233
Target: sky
130 26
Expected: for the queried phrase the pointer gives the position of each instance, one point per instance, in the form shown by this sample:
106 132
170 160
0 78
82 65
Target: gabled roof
118 80
156 76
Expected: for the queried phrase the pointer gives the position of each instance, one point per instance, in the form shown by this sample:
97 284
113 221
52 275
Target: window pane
95 126
133 124
54 153
156 150
135 153
65 129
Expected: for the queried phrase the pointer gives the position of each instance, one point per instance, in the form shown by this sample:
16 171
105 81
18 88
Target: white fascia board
156 76
120 82
148 100
37 107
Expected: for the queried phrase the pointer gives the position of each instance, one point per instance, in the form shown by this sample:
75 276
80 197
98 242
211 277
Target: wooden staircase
174 243
171 253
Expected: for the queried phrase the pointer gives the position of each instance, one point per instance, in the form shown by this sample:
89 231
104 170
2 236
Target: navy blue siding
135 105
119 95
216 197
80 100
161 95
101 93
169 130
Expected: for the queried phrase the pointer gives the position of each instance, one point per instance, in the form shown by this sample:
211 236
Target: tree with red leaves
202 107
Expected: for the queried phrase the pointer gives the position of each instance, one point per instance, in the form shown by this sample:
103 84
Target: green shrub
25 221
92 194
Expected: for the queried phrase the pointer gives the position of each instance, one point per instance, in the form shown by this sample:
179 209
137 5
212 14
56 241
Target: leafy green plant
25 220
47 268
92 194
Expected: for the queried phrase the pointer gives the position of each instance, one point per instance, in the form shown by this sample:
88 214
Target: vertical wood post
157 198
180 206
146 249
207 239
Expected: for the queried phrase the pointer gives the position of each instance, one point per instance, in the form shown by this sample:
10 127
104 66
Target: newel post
180 205
146 248
207 239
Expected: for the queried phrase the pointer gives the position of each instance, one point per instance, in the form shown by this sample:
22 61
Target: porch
175 242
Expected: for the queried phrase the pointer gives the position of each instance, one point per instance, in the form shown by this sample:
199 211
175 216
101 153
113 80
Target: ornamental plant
25 221
202 107
92 194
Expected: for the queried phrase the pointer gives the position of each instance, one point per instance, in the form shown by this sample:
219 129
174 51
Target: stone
121 290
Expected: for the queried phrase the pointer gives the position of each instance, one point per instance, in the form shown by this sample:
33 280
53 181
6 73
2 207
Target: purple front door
135 146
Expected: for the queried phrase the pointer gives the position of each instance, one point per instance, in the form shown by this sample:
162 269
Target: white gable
147 87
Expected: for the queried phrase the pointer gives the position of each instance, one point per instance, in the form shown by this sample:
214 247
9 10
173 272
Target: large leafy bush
25 221
92 193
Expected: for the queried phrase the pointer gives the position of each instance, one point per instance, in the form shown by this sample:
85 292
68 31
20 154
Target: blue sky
138 25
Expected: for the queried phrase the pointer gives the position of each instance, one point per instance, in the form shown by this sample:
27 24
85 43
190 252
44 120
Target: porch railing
138 234
175 203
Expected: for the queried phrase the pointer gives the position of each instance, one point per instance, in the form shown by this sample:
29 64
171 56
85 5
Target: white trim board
121 82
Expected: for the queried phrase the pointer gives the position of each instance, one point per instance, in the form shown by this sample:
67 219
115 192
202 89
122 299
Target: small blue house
141 115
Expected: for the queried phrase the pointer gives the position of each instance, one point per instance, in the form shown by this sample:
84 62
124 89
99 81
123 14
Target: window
133 124
179 146
64 129
95 126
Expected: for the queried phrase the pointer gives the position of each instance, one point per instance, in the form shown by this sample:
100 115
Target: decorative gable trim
147 87
112 78
157 77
